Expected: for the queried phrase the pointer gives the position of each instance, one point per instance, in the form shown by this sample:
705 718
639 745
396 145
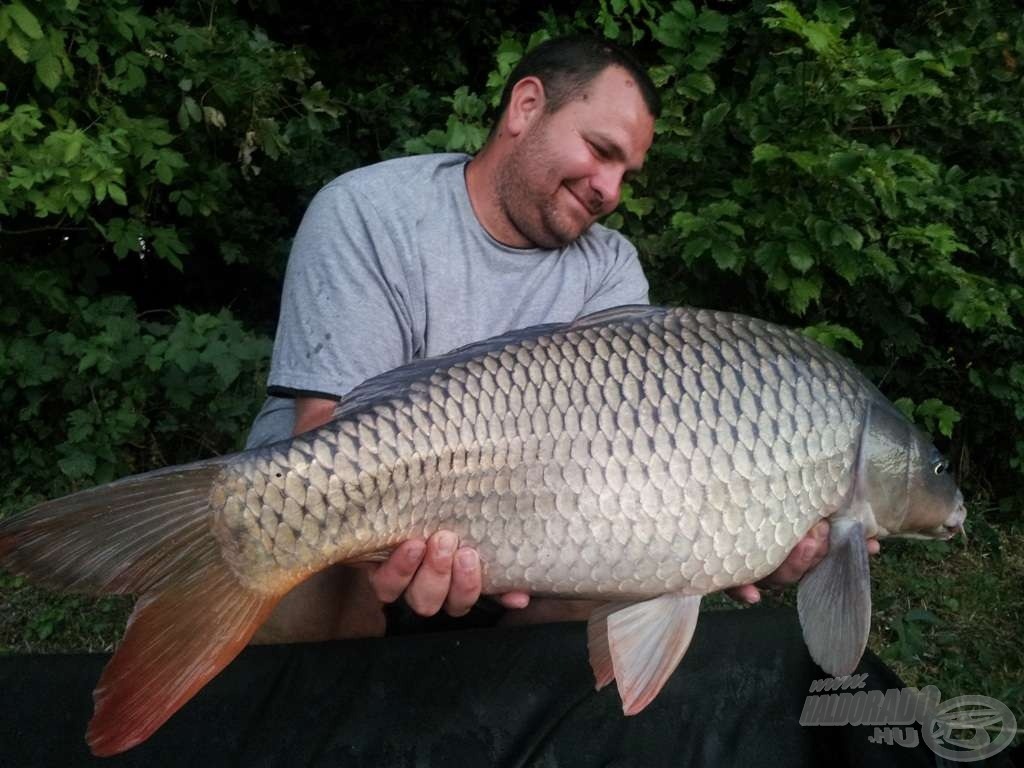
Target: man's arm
312 412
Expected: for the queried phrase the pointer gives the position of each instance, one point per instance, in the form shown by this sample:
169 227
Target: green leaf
18 45
726 255
852 237
73 148
78 465
164 173
639 206
610 28
712 21
806 161
25 20
830 334
713 117
695 247
800 255
802 291
844 163
192 108
662 74
48 70
117 194
764 153
700 82
905 406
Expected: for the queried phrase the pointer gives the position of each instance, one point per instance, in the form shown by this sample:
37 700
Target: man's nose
607 183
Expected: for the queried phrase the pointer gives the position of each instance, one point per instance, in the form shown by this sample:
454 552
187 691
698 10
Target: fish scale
743 435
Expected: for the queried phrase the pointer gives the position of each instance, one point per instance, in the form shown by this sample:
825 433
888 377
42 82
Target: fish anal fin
176 641
646 642
597 644
834 601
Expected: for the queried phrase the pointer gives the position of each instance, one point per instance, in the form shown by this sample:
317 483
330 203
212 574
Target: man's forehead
612 108
611 83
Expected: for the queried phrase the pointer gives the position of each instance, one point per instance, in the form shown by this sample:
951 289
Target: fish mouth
946 532
954 524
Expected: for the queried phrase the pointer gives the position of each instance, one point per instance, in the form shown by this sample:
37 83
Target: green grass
950 613
33 620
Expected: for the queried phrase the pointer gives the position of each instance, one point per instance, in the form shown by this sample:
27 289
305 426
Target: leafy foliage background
853 169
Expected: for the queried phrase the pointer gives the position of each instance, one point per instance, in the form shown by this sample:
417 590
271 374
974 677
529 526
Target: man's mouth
591 210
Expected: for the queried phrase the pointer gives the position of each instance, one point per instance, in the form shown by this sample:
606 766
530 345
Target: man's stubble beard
533 214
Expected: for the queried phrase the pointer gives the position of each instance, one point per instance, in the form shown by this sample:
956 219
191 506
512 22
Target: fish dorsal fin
834 601
625 313
642 645
398 382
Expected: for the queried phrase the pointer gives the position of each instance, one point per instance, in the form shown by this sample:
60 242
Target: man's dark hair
566 65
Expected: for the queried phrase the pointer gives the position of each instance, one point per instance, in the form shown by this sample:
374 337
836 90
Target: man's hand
435 574
808 552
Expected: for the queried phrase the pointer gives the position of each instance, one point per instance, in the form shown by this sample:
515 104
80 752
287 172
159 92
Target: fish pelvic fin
149 535
641 645
834 601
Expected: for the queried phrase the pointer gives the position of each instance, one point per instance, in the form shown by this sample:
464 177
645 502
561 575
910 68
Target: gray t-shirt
391 264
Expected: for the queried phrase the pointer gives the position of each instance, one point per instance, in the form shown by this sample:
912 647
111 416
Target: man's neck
481 179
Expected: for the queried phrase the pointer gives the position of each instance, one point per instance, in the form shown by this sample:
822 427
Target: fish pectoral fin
641 645
834 601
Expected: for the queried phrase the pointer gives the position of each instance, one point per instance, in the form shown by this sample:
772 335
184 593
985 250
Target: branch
55 228
895 127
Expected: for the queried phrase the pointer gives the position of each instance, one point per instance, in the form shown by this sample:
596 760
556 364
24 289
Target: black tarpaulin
483 697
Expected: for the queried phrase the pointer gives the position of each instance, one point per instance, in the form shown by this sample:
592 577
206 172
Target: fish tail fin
150 535
175 643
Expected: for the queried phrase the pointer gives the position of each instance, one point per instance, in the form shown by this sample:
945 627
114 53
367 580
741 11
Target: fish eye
941 467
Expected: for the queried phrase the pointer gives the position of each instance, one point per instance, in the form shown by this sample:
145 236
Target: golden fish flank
596 487
644 456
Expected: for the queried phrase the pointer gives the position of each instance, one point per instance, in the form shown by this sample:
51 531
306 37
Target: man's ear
525 105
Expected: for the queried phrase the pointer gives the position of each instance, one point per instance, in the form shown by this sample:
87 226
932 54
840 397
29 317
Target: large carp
644 456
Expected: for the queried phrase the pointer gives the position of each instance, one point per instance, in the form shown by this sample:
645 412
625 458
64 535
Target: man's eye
598 150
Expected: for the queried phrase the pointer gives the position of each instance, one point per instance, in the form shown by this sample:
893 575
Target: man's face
566 169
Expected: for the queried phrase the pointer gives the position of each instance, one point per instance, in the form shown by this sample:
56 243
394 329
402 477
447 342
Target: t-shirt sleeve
344 306
622 282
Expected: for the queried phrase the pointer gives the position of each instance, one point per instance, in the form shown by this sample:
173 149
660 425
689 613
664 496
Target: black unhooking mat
484 697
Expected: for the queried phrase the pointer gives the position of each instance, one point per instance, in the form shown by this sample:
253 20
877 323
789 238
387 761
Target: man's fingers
429 587
748 594
465 586
392 577
514 599
808 552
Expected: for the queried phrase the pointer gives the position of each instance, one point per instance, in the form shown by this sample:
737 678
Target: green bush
856 171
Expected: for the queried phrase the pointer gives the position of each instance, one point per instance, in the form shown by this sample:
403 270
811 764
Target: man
415 257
